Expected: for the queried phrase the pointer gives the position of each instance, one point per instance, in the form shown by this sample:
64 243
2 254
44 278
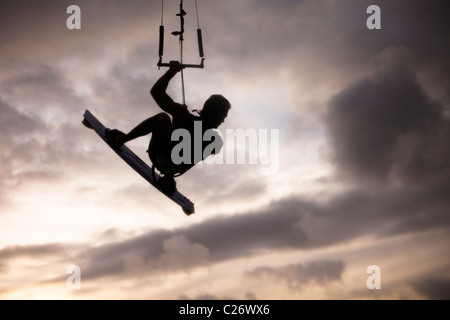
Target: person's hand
175 66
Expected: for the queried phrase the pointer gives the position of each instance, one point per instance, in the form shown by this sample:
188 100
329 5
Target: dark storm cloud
424 28
389 136
388 125
298 275
332 51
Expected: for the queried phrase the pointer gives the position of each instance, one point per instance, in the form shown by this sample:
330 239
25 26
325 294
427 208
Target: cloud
35 151
205 296
179 254
54 252
37 251
285 226
183 249
387 125
104 26
296 276
13 122
433 288
290 224
42 89
333 47
18 146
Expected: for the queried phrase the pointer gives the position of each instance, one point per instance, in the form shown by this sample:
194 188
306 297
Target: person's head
215 110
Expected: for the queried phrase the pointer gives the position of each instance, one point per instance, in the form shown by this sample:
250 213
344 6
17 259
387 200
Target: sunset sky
363 164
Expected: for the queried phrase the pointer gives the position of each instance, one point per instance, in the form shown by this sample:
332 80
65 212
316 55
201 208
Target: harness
162 160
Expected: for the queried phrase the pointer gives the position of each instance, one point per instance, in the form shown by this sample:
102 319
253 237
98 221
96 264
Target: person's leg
159 151
158 123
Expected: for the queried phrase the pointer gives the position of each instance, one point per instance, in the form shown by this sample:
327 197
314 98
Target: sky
354 123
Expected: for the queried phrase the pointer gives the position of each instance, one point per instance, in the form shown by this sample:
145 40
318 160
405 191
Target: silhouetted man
175 116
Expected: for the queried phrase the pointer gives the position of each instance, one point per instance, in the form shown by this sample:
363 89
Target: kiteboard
138 164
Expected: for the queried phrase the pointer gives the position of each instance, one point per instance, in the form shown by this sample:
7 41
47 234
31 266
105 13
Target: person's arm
158 91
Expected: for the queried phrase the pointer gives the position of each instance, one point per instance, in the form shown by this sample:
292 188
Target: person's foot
168 184
115 137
